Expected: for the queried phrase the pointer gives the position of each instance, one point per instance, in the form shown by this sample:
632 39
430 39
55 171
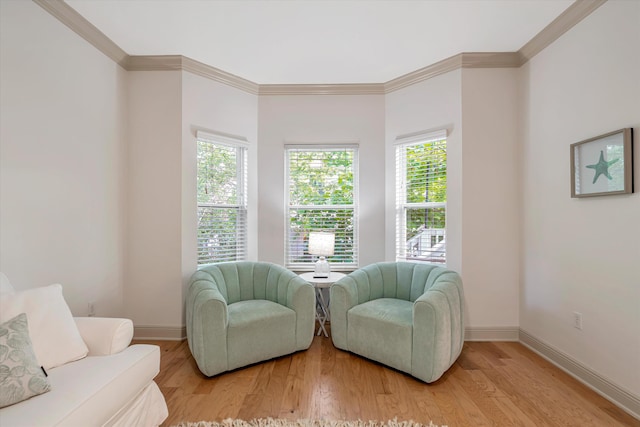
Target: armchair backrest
402 280
246 280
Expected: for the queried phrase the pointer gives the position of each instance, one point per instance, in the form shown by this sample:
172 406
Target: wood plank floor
491 384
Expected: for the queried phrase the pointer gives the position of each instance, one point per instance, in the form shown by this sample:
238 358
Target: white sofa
112 386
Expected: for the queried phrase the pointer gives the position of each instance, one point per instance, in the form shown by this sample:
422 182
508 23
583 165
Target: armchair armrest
207 320
105 335
343 296
301 298
438 329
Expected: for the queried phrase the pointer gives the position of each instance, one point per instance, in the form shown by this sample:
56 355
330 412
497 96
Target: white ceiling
319 42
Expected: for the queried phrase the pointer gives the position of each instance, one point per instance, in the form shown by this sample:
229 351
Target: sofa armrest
105 335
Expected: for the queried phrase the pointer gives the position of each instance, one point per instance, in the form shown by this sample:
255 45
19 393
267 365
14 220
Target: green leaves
222 210
320 178
321 198
217 174
426 172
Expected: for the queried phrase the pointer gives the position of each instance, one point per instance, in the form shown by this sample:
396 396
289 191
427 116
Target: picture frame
603 165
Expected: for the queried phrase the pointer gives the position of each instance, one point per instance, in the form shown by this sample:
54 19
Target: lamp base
322 269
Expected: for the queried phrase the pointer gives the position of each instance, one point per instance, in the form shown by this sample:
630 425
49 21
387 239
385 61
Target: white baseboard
163 333
585 375
503 333
470 334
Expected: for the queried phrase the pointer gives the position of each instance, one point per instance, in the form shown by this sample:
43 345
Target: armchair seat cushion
259 330
382 329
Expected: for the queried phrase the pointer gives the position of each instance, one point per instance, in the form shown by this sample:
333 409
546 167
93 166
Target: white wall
429 105
62 168
490 195
479 107
215 107
320 119
583 254
166 109
153 289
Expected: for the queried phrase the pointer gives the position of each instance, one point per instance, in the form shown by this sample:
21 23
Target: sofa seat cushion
259 330
88 391
382 330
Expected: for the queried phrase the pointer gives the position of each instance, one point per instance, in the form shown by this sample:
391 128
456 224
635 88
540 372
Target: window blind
321 195
222 200
421 196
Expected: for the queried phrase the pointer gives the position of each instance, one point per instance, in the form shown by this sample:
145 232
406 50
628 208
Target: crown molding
461 60
153 63
323 89
428 72
179 62
85 29
575 13
491 60
204 70
76 22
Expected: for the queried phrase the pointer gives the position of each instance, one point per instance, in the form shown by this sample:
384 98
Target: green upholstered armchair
405 315
239 313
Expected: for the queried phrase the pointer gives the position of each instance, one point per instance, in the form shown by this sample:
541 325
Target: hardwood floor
491 384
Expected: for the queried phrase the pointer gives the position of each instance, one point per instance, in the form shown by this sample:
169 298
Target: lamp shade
321 243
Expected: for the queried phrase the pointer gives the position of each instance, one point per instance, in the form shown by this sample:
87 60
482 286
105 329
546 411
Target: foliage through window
321 196
421 198
222 200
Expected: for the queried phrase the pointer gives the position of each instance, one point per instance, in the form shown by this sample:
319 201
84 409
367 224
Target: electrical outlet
92 310
577 320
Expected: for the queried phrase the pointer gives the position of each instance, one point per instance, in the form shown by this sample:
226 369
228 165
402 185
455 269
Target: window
322 193
222 198
421 198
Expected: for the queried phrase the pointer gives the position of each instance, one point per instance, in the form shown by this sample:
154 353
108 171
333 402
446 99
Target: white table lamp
321 244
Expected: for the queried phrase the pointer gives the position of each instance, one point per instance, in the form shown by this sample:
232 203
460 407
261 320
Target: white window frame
309 265
241 206
402 206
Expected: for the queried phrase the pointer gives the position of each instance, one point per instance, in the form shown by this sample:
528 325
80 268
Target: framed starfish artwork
603 165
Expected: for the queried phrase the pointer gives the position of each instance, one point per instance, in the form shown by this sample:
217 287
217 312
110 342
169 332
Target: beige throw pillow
53 332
